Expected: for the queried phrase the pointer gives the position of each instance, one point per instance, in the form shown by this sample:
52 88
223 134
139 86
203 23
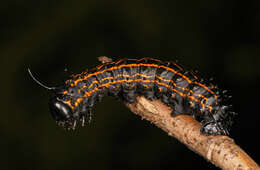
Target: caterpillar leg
88 117
149 94
83 121
176 113
129 95
180 108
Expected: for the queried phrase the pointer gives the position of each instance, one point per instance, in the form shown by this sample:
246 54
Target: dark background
218 38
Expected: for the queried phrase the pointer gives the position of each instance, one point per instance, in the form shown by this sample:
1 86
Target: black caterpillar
127 78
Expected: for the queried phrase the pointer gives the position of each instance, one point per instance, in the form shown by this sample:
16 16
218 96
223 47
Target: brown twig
219 150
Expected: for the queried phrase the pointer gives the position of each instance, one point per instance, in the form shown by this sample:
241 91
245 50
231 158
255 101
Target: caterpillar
183 91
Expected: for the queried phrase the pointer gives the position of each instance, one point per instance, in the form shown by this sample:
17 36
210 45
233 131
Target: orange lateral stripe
146 81
148 65
143 75
147 76
132 65
205 87
119 61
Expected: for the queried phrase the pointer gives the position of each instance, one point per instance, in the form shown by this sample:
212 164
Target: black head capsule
60 111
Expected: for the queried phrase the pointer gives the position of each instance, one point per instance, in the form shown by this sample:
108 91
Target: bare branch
219 150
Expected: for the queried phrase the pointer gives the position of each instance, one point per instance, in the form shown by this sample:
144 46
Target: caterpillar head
61 112
65 113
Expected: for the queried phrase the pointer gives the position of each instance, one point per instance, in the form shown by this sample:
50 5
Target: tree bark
219 150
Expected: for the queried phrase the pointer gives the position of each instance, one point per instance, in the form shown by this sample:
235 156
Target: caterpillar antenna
38 82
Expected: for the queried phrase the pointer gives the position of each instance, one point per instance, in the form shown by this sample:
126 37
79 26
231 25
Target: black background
218 38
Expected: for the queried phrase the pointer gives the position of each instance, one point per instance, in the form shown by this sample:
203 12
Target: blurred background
58 38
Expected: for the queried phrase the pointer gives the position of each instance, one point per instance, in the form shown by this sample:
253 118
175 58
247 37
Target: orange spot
78 101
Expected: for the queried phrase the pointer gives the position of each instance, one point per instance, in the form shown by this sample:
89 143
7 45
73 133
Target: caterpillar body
128 78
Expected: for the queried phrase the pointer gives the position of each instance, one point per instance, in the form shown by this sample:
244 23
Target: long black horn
38 82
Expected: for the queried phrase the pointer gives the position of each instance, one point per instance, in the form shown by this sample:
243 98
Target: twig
219 150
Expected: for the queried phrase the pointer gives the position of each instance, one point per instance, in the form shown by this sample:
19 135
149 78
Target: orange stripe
143 75
131 65
148 65
117 62
146 76
87 94
205 87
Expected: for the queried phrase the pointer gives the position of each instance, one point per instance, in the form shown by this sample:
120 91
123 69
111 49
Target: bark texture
219 150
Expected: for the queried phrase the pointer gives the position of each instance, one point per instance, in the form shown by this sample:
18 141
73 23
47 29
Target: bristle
74 125
224 91
225 107
83 121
